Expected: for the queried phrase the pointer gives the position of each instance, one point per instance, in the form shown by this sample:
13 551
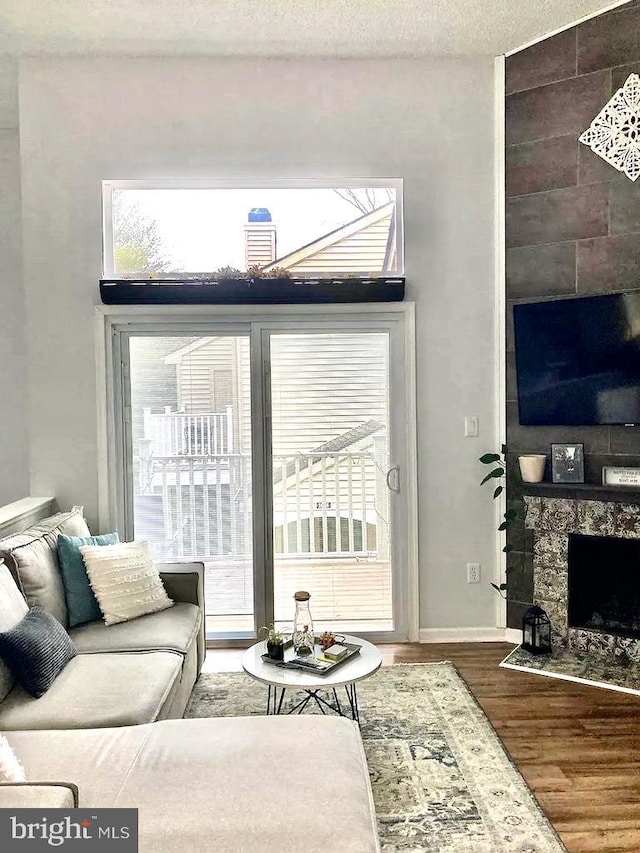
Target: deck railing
179 434
324 504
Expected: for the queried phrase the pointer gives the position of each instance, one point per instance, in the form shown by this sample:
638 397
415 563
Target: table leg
352 696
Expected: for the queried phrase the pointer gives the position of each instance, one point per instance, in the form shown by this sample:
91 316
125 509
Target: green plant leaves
497 472
511 514
507 549
488 458
498 492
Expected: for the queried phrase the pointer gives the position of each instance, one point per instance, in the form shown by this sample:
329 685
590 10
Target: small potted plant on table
275 642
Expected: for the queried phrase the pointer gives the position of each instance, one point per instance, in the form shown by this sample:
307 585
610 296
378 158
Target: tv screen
578 360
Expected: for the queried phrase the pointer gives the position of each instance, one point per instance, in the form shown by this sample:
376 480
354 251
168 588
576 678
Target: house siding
363 251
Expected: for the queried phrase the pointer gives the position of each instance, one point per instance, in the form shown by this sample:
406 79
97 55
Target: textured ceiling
283 27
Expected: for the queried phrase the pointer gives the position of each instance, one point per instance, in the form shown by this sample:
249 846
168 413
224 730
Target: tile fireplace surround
552 520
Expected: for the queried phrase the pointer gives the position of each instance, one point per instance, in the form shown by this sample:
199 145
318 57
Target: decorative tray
291 661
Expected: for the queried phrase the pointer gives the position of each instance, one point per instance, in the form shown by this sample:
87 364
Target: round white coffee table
280 679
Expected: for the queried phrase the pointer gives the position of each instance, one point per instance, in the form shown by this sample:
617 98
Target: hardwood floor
577 747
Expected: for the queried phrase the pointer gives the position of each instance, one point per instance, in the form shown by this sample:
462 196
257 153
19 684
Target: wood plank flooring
577 747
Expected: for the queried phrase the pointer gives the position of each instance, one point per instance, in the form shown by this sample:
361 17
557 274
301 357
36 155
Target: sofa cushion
12 608
36 650
32 558
98 690
175 630
82 605
125 581
199 785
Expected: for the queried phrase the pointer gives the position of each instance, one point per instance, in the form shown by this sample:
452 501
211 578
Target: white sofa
226 785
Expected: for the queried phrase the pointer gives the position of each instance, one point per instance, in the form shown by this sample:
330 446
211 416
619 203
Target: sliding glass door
275 454
330 461
189 463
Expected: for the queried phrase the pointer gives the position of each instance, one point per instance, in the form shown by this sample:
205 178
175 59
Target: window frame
113 324
109 186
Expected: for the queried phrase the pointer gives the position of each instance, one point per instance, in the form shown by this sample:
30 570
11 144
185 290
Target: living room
135 95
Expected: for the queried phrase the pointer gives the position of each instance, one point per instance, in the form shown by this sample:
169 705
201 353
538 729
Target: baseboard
469 635
513 635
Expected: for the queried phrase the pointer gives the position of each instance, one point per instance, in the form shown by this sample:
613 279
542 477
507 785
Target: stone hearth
552 520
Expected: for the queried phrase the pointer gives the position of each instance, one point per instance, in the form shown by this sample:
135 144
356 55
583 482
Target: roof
179 354
380 246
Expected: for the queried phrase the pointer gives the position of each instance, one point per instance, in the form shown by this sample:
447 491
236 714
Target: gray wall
573 224
430 122
14 465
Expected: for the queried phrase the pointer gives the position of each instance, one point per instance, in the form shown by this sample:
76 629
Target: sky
203 228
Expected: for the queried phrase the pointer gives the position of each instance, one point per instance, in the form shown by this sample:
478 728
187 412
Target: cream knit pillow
10 768
125 582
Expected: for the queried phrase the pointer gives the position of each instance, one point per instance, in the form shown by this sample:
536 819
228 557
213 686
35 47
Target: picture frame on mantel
622 477
567 463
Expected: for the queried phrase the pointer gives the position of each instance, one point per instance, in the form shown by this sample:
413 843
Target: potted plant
275 642
498 461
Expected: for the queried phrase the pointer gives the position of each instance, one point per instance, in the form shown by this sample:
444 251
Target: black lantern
536 631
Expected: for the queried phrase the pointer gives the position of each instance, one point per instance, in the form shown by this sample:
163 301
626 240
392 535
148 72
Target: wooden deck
346 593
577 747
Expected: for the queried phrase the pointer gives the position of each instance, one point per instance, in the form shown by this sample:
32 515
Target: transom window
299 229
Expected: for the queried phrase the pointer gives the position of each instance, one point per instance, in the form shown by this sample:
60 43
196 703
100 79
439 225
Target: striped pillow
124 581
36 650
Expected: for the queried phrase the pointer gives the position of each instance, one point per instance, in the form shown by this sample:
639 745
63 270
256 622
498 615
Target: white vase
532 467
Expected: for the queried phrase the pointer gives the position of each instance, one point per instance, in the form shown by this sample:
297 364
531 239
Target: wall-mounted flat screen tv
578 360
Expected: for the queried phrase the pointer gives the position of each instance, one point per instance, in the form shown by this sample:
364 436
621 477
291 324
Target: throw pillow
81 602
36 650
10 768
125 581
32 558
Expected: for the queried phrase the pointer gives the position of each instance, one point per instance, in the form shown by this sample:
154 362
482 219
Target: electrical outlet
473 572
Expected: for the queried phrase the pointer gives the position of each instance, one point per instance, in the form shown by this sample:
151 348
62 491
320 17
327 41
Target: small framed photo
567 463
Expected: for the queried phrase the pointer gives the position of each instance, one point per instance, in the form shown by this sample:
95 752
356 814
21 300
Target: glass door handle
393 479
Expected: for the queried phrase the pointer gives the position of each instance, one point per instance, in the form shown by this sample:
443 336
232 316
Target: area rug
598 670
440 776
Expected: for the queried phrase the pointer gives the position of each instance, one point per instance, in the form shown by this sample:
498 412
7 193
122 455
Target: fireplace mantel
584 492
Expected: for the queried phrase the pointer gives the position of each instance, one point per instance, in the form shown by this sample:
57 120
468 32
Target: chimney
259 238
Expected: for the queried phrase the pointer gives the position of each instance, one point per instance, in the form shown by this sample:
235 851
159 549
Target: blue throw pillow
81 602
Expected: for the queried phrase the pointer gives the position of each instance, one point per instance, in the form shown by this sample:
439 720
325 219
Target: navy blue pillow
36 650
82 605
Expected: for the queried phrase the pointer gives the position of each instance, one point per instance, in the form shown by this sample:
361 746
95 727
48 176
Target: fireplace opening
604 584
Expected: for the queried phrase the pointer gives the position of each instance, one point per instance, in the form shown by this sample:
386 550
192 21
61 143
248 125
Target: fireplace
586 572
604 584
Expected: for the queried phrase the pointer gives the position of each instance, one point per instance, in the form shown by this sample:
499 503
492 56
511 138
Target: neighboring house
367 244
328 436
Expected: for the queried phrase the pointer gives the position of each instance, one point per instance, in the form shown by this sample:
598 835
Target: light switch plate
471 427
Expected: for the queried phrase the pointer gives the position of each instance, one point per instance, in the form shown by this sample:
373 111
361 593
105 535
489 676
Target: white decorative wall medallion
614 134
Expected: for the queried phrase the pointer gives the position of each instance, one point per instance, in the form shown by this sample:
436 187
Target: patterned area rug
441 778
611 671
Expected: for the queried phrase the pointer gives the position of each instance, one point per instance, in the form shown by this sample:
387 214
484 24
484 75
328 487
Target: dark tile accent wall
572 227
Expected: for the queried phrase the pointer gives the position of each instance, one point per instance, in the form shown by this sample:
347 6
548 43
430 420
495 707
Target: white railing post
229 441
